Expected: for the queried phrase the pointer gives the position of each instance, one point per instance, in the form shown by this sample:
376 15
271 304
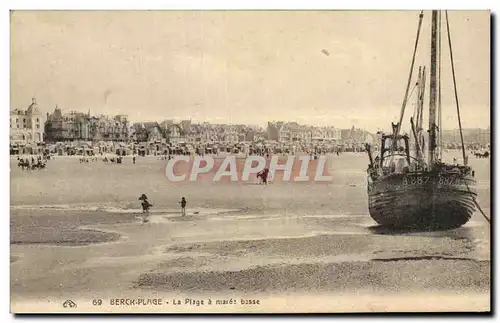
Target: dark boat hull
425 200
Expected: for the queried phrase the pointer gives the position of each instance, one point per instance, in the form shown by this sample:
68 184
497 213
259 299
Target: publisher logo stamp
69 304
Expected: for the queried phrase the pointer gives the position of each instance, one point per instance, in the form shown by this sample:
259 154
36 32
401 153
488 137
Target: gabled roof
149 125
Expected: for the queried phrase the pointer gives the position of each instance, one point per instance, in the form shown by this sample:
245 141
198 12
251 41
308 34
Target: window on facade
17 120
38 126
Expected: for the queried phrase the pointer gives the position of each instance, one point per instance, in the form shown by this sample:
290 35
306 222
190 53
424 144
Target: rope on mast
459 119
411 93
476 203
455 88
421 16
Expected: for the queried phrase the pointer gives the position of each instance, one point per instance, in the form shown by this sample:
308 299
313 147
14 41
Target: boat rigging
407 188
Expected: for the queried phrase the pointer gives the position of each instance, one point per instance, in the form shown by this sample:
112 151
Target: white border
169 4
256 4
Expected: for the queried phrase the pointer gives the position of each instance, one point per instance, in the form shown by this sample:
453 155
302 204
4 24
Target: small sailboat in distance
407 189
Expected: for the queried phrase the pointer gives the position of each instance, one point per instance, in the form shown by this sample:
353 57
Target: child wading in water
145 207
183 206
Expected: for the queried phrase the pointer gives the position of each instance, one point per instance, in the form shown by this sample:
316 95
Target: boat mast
421 121
440 120
432 103
414 128
419 96
420 114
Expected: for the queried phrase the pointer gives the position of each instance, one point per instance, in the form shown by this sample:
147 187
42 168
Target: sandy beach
76 233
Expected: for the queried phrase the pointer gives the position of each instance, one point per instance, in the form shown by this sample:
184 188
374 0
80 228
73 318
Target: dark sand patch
318 245
184 262
66 218
62 228
459 275
66 237
334 245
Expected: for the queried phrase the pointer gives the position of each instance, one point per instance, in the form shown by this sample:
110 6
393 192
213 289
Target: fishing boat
410 186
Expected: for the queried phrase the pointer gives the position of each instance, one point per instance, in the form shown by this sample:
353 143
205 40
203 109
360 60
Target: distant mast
433 87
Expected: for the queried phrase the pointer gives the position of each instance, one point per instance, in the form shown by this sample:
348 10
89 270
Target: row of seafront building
73 132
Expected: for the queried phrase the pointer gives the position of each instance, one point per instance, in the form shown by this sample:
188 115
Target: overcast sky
317 67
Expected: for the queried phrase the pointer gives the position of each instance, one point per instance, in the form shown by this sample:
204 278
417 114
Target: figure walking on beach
183 206
145 206
263 175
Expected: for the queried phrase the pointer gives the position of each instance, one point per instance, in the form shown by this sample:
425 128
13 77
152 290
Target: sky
339 68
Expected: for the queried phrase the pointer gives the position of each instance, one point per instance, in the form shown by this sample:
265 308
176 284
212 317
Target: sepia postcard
250 161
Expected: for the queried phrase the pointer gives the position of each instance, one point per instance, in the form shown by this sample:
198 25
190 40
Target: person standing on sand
183 206
263 175
145 206
133 159
266 175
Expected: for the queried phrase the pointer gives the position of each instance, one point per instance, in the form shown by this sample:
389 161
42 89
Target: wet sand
375 276
244 240
58 228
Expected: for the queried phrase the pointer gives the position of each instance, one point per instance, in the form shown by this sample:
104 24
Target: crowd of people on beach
114 160
86 160
485 154
111 160
33 163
